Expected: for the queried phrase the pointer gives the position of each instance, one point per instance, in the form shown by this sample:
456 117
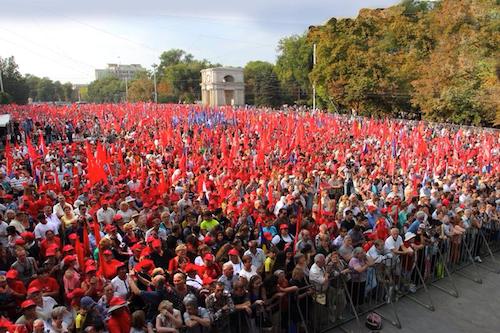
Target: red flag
8 157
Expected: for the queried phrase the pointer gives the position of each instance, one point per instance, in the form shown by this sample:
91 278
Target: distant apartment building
123 72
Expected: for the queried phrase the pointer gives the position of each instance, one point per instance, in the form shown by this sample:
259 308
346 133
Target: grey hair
318 257
58 311
357 251
190 300
420 214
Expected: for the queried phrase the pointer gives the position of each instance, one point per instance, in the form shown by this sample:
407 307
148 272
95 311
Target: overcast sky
67 39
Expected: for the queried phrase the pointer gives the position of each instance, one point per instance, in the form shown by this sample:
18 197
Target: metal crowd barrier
433 266
411 276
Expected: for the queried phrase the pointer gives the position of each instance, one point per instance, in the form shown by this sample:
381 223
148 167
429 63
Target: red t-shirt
119 322
49 285
108 269
18 287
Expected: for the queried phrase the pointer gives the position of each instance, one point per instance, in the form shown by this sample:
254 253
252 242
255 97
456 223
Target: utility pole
314 83
1 81
126 89
154 80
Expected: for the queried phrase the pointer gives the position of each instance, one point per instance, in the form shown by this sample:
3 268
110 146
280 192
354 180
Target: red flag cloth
41 144
8 157
80 255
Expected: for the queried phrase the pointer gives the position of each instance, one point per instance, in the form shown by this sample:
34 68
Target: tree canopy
414 59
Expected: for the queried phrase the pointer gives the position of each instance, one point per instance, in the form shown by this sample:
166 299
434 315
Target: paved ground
476 310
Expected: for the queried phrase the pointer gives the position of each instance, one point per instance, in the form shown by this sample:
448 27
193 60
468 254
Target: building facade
222 86
122 72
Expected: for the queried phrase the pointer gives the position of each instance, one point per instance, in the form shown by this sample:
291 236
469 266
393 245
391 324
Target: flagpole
154 78
314 83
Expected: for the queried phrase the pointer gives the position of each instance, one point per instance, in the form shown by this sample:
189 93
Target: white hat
409 235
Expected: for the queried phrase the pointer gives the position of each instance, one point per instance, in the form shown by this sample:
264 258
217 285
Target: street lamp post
154 81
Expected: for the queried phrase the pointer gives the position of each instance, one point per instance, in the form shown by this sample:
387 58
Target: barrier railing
349 296
432 266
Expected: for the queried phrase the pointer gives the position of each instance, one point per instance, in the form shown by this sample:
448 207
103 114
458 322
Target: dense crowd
172 218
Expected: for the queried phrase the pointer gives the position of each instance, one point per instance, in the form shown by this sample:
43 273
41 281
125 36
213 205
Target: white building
123 72
222 86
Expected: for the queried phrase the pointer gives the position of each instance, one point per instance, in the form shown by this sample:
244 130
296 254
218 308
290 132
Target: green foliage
5 98
13 82
438 61
262 87
179 76
141 88
293 66
106 90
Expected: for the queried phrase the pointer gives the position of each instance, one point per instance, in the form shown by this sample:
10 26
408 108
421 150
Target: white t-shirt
391 244
236 267
41 229
277 239
105 216
248 275
4 240
48 304
120 287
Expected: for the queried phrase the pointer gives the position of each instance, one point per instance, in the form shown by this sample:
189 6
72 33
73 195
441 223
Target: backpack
373 321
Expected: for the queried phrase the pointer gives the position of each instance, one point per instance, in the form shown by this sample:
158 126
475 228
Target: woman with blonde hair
169 320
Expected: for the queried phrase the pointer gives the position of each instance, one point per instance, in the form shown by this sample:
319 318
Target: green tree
68 92
13 82
106 90
262 87
32 81
173 57
141 88
46 90
293 66
458 82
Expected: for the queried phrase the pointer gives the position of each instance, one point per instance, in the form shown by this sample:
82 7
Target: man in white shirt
126 212
378 252
4 240
51 218
394 243
42 227
120 282
105 214
59 207
44 304
257 254
234 259
318 275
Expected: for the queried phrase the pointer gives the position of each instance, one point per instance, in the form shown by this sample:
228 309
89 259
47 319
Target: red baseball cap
27 235
208 256
107 252
283 226
233 252
33 290
73 236
68 248
109 228
68 259
20 242
12 274
89 269
117 217
76 293
27 303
